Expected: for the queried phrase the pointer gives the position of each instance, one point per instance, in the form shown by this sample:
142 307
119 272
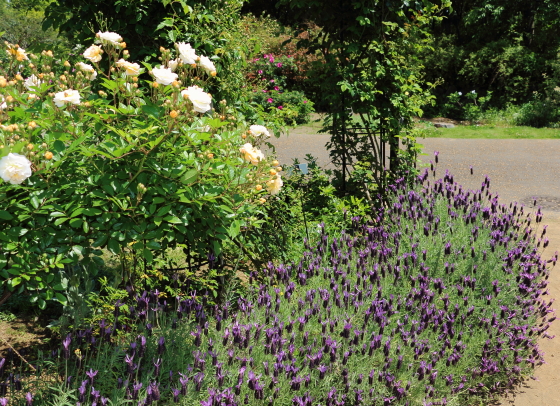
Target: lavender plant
440 299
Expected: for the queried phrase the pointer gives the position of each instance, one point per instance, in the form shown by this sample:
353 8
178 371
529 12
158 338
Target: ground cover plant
441 299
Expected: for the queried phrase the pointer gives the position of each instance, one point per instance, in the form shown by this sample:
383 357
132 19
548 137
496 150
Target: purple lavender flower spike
175 392
161 345
91 375
3 402
157 366
66 346
28 399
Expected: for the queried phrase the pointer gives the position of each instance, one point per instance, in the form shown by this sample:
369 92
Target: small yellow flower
258 187
19 77
32 125
272 172
278 169
210 156
262 200
275 163
173 114
48 155
123 45
30 147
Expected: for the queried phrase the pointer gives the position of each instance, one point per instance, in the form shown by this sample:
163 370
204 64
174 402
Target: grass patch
488 131
492 132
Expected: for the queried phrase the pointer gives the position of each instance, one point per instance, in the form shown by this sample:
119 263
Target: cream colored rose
19 53
251 154
66 97
110 37
164 76
186 53
173 64
274 185
15 168
131 69
93 53
207 65
202 102
84 67
32 81
258 130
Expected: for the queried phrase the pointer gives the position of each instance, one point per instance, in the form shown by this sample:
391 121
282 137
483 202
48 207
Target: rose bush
147 161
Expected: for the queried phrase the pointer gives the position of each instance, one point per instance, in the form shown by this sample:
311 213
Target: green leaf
92 212
100 241
153 245
4 215
234 229
61 298
57 214
34 202
113 246
148 256
151 110
190 176
59 221
76 223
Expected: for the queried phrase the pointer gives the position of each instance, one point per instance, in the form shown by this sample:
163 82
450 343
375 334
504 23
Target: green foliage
305 202
499 46
20 23
468 107
270 76
212 26
363 70
539 113
291 107
131 170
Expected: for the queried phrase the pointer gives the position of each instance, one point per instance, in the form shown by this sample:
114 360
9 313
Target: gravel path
519 170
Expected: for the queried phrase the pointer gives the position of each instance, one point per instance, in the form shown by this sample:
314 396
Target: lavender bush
439 299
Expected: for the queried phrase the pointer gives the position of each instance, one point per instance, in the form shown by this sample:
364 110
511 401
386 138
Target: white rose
173 64
186 53
207 65
274 185
110 37
85 67
93 53
65 97
88 69
251 154
201 101
14 168
258 130
164 76
131 69
32 81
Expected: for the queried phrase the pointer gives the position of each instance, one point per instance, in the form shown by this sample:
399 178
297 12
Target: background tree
509 48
